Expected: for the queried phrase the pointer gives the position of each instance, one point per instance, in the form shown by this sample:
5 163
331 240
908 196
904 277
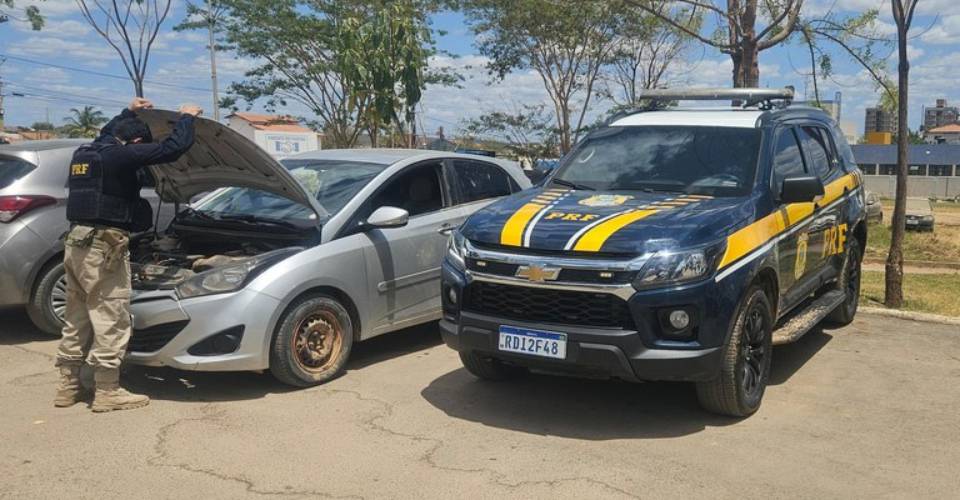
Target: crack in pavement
38 353
210 413
22 379
429 456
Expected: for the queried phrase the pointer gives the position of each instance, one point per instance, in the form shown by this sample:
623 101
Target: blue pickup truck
672 244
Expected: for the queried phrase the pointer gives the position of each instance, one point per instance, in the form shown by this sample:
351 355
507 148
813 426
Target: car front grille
548 305
156 337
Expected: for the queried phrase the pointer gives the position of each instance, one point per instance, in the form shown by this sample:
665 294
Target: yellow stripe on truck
593 240
512 232
752 237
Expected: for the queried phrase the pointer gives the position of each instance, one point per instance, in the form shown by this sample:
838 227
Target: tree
31 14
565 43
42 126
85 122
528 131
737 33
130 27
903 11
644 48
208 17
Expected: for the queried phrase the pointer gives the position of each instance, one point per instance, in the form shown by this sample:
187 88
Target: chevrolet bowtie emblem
538 273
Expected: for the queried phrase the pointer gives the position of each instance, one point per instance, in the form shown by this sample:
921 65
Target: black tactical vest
101 193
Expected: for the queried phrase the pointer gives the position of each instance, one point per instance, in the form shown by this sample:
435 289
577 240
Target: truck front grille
548 305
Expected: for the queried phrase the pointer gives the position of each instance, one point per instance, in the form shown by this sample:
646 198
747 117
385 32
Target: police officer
103 207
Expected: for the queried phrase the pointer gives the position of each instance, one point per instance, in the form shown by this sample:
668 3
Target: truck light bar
749 95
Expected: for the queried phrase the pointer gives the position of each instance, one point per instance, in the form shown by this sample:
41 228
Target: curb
910 315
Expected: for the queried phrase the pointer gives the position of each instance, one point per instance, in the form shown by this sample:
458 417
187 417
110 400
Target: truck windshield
714 161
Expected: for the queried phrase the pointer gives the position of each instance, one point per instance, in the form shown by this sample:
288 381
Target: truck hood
220 157
622 223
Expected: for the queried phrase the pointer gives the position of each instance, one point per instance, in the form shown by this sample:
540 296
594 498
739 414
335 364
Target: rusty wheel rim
317 341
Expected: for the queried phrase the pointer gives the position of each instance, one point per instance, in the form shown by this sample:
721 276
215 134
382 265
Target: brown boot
110 396
69 391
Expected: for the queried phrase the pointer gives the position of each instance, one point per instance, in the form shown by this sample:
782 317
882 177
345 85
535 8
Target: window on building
940 170
917 169
868 169
888 170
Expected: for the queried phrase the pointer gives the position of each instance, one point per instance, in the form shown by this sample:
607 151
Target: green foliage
529 131
355 64
42 126
84 122
31 14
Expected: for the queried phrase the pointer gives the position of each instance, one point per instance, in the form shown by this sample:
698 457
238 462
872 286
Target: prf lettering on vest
571 216
834 239
79 168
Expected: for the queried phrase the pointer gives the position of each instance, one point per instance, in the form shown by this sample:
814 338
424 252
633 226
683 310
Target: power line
104 75
46 92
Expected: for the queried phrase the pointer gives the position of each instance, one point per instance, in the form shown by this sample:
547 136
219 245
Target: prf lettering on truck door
834 240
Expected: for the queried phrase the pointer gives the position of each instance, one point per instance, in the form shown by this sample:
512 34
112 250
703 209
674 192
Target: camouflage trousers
97 319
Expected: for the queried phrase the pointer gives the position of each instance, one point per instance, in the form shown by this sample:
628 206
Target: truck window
819 150
787 160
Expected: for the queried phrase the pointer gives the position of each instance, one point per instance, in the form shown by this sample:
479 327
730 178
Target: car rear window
12 169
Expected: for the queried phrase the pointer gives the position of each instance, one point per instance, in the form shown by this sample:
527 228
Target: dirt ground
867 411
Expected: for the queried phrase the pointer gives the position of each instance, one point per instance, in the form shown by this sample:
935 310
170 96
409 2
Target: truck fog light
679 319
452 295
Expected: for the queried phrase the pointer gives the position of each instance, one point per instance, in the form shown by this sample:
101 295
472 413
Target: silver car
33 191
291 264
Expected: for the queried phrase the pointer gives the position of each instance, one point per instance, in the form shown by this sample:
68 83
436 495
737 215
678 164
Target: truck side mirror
801 189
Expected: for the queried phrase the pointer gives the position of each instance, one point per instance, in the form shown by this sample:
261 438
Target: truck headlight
456 250
671 268
233 277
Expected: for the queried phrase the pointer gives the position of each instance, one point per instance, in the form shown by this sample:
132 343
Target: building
280 136
833 108
939 115
879 120
945 134
934 169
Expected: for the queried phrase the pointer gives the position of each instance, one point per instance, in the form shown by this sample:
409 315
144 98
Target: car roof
44 145
378 155
717 116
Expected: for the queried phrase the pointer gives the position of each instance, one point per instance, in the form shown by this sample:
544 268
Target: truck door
827 231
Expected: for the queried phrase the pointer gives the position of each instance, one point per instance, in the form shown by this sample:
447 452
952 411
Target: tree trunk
893 294
749 64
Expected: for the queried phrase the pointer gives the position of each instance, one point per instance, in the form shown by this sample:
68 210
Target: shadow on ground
596 409
16 328
178 385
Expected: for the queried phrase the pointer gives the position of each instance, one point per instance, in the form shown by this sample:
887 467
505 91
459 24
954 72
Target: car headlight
928 218
233 277
456 250
672 268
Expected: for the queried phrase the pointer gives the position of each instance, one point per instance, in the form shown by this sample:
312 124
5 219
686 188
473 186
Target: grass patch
929 293
941 245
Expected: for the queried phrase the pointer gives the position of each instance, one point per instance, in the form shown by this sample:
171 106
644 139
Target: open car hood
220 157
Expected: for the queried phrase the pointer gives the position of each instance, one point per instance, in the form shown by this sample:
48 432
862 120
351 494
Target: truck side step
798 323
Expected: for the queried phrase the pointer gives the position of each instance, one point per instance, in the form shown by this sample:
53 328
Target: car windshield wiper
193 212
253 219
573 185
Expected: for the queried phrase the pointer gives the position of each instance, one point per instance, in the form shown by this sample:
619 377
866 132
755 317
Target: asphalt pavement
867 411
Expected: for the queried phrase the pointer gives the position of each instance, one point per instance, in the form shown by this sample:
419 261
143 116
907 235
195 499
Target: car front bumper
641 351
165 329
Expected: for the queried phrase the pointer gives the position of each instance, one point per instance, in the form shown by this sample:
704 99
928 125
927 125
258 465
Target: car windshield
918 204
332 183
12 169
715 161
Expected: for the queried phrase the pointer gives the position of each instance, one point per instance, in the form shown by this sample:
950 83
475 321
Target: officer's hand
191 109
139 103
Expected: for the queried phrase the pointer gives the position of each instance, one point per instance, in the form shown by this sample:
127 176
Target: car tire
312 342
488 368
49 299
849 282
738 389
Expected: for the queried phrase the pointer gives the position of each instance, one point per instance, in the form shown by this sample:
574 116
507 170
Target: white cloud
945 32
58 49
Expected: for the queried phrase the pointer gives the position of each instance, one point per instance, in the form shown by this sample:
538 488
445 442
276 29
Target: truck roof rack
656 99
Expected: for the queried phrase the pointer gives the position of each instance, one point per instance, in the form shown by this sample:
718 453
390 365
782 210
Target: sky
67 65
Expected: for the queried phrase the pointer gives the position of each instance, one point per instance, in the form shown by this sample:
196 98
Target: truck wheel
849 282
489 368
738 389
49 299
312 343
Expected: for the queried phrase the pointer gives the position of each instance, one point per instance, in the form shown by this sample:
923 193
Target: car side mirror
386 217
801 189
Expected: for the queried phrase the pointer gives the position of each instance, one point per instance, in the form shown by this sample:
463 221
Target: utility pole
211 20
2 60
